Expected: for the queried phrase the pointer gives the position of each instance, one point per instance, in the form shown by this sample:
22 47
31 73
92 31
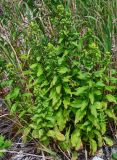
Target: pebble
97 158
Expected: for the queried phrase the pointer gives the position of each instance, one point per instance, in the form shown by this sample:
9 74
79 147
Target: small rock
97 158
100 153
114 149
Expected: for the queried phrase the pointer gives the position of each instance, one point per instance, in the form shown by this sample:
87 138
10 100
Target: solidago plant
67 95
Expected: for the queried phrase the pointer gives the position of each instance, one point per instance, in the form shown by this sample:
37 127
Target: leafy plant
4 144
64 88
114 156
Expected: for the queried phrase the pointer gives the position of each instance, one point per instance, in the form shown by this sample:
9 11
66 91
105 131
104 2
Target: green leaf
81 90
93 146
110 113
67 89
54 81
97 92
57 105
61 120
39 72
58 89
78 103
56 134
100 84
76 139
66 79
55 100
66 102
91 97
14 94
79 115
103 127
14 108
25 134
60 136
111 98
51 133
114 156
35 134
99 138
74 156
83 104
33 66
40 133
108 141
63 70
94 121
109 88
98 105
93 110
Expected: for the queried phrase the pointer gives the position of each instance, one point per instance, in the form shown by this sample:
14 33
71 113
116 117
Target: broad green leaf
93 146
79 115
60 60
109 88
60 136
63 70
39 72
67 139
94 121
93 110
103 127
67 89
99 138
110 113
51 133
55 100
33 66
97 92
91 97
14 108
108 141
98 105
74 156
61 120
82 75
56 134
66 79
111 98
54 81
81 90
53 93
57 105
14 94
27 94
78 103
100 84
66 102
104 104
58 89
83 104
76 140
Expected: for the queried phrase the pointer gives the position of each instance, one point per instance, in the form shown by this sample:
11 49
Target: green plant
114 156
4 144
64 88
